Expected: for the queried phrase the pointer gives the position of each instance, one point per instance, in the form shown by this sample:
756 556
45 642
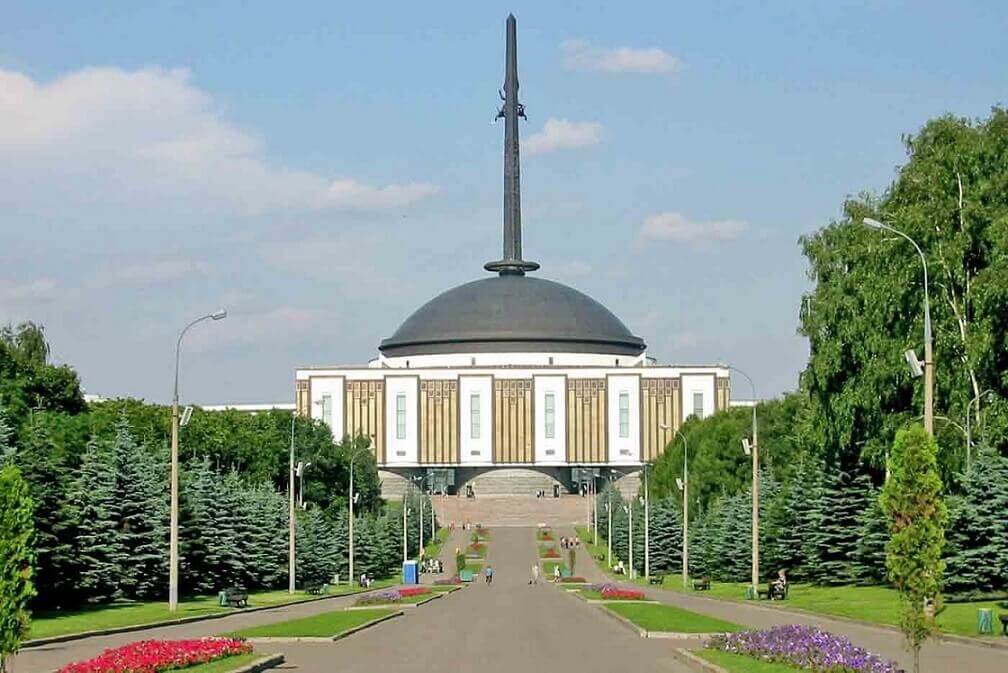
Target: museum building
511 383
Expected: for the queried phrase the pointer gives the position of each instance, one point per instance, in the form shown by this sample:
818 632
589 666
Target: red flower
406 592
153 656
617 594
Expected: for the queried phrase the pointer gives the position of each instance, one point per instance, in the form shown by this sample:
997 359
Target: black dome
512 313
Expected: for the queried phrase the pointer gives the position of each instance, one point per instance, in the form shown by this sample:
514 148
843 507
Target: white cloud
673 226
163 271
152 129
580 55
283 323
560 134
40 290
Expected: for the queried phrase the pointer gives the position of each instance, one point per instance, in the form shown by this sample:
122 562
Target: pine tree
665 536
94 503
841 502
869 557
198 560
143 515
977 549
229 538
7 448
809 513
47 479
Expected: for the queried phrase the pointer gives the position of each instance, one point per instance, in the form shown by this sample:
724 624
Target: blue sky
324 169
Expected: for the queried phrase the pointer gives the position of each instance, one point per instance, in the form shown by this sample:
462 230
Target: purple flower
806 647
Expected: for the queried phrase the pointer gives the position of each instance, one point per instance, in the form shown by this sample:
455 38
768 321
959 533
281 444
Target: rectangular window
327 410
550 416
474 416
400 416
624 415
698 405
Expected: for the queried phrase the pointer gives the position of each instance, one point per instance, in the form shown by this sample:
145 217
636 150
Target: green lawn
137 613
433 547
475 567
658 617
740 663
223 665
319 626
548 567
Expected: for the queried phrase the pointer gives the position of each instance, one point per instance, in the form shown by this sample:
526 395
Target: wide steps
513 510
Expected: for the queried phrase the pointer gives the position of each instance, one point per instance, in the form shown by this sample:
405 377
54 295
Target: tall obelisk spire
512 262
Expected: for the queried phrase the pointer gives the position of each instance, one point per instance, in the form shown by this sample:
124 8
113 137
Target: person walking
489 574
535 573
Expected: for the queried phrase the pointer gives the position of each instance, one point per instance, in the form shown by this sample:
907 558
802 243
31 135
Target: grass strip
223 665
658 617
741 663
317 626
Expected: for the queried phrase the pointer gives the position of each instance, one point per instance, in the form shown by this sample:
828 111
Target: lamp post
405 550
628 508
753 449
928 354
290 514
969 436
173 537
684 487
352 499
608 509
419 479
647 536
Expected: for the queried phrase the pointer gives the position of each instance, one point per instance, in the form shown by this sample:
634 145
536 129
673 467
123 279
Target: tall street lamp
290 514
173 559
647 522
753 449
352 498
683 485
928 354
608 509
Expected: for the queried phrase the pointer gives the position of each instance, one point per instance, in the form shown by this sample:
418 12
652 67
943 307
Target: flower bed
806 647
386 596
549 553
477 549
545 535
611 592
152 656
573 580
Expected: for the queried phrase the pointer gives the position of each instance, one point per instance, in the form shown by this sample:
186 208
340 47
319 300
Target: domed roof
512 313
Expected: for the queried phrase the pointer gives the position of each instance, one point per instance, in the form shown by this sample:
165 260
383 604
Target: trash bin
985 620
409 573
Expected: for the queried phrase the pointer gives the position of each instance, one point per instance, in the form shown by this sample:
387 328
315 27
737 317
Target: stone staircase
512 510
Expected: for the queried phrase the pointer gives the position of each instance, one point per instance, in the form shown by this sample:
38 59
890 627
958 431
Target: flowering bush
405 592
615 593
392 595
152 656
573 580
806 647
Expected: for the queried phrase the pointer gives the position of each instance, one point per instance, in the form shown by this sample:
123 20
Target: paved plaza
510 626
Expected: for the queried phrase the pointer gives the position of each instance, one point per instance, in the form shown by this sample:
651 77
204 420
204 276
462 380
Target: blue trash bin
409 573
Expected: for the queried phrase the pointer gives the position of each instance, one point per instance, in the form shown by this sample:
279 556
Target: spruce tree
143 514
94 503
665 536
841 502
47 480
198 554
873 533
7 448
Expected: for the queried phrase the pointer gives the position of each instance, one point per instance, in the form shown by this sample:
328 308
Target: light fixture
679 483
746 446
186 415
874 224
219 314
916 366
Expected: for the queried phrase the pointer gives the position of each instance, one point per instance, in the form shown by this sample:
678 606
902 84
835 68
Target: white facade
401 420
475 420
327 403
696 386
624 419
550 404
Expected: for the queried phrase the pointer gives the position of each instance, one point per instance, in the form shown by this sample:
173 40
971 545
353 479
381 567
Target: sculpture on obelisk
512 262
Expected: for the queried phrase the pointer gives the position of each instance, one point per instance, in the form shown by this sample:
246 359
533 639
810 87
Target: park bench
701 584
1004 624
234 597
657 579
317 589
773 592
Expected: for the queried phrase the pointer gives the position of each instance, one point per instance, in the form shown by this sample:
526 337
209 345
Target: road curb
80 635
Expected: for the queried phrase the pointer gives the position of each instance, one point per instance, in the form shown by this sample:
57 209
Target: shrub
804 646
573 580
17 558
152 656
571 557
448 581
460 562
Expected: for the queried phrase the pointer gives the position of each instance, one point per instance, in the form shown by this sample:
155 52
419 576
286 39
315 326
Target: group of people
570 542
466 525
536 573
365 581
432 565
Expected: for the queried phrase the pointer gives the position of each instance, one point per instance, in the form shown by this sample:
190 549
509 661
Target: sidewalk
936 656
